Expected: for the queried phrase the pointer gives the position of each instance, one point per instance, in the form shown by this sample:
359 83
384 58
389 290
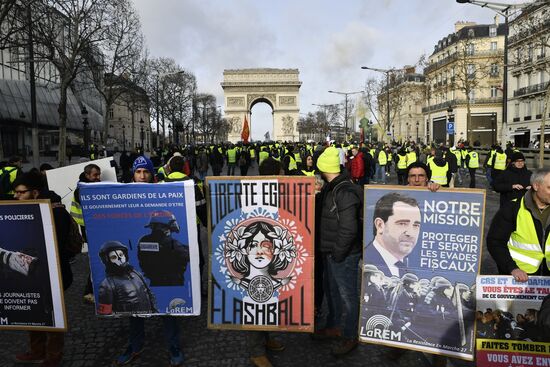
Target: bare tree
123 56
472 68
69 32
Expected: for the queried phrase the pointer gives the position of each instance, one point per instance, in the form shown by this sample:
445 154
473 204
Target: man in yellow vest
518 239
8 175
231 160
411 156
381 159
499 163
402 167
472 162
439 168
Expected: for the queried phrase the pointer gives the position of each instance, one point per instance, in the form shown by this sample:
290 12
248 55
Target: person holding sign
518 235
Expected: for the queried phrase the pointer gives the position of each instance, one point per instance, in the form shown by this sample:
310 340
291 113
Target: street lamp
346 94
124 138
417 137
387 72
142 133
451 118
84 113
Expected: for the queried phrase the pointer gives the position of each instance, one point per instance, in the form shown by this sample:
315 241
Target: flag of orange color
245 134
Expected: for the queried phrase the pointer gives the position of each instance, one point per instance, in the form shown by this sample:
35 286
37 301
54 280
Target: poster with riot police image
261 253
31 291
422 253
143 248
513 321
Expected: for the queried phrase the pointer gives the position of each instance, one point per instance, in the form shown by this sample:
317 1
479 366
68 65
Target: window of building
471 70
541 76
471 33
470 49
530 52
528 80
472 95
494 70
541 106
493 31
493 46
111 113
527 108
494 92
516 110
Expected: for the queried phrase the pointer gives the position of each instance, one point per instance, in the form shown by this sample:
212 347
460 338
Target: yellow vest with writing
474 160
524 244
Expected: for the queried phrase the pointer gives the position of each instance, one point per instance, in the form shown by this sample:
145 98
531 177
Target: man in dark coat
513 183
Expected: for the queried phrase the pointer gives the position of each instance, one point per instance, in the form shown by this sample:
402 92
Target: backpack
5 181
358 191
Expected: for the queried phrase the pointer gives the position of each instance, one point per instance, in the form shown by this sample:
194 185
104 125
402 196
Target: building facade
464 85
15 102
406 93
528 75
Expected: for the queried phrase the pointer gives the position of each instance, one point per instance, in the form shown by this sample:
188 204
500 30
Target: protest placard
261 232
422 253
31 290
512 324
143 250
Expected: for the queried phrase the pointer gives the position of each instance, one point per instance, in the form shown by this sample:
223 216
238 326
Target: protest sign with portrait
261 253
422 253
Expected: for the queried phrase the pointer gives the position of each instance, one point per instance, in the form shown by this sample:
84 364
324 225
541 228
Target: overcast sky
328 41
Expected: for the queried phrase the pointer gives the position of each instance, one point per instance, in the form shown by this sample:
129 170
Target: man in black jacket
341 238
513 183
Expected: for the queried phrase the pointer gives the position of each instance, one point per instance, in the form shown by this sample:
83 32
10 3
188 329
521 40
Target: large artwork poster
513 324
31 291
261 253
422 253
143 248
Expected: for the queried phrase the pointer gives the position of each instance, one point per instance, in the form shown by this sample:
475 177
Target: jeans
343 293
472 177
171 333
380 175
488 176
231 169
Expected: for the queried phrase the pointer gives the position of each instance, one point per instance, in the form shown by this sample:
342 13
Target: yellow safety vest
12 171
474 160
500 161
382 158
76 212
298 157
390 156
252 153
492 155
439 174
411 158
458 157
372 151
263 156
308 173
402 161
292 164
524 244
429 159
231 155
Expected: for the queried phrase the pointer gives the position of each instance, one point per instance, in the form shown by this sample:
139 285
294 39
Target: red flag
245 134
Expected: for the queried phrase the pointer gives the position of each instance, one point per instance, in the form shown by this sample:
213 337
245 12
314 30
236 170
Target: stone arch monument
279 88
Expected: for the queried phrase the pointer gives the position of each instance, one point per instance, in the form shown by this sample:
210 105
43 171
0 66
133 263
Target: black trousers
472 177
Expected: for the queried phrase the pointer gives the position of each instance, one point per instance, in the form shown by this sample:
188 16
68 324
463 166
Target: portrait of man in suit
396 226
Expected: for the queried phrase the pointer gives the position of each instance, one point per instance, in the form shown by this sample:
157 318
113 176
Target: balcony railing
455 102
457 55
537 88
520 36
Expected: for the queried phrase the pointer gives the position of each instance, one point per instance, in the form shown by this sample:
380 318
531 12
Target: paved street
92 341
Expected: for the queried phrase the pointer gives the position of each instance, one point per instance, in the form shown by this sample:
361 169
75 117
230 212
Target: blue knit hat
143 162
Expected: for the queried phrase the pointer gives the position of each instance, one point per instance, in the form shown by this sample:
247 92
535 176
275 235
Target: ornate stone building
279 88
528 74
464 77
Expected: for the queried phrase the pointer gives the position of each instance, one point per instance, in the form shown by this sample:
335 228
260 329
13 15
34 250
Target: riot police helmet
163 219
110 246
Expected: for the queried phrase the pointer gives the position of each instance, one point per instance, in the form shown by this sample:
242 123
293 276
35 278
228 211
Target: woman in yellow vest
309 169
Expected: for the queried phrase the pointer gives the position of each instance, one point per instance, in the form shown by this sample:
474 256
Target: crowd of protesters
340 169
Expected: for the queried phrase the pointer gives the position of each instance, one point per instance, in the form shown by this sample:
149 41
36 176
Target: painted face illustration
117 257
260 251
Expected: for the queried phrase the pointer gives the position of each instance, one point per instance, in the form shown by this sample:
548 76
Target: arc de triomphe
279 88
